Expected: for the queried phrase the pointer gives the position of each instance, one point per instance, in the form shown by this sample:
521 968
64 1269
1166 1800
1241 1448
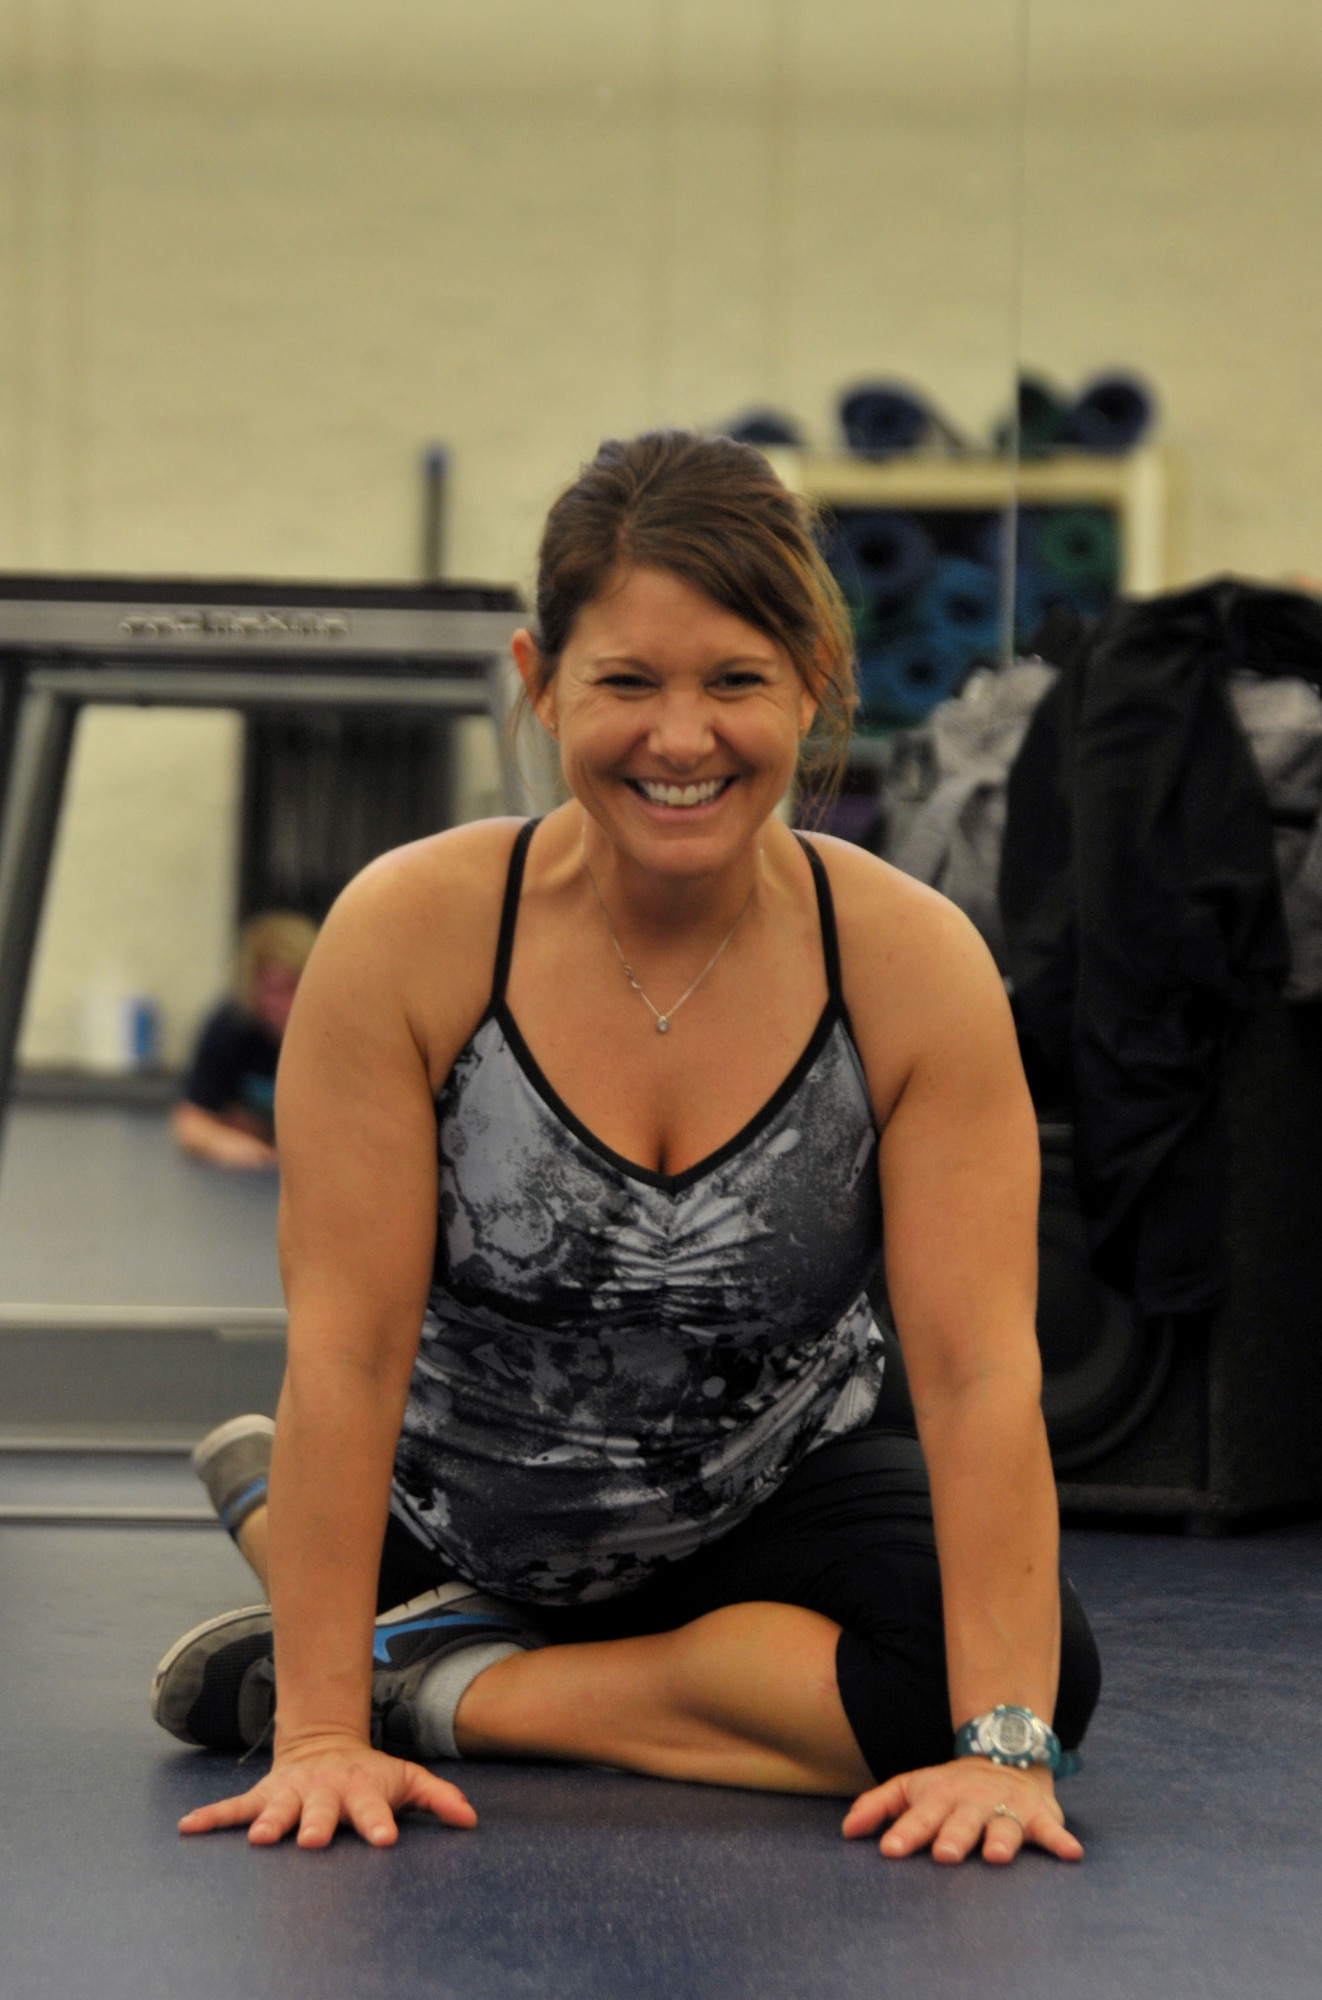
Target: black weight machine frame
67 642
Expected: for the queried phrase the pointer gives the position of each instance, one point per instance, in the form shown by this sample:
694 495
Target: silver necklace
662 1020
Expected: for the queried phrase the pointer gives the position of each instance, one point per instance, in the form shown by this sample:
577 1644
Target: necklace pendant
662 1025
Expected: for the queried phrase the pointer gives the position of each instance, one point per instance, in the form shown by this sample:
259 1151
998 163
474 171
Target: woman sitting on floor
595 1444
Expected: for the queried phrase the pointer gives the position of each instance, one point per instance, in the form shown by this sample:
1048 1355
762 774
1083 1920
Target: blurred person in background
227 1112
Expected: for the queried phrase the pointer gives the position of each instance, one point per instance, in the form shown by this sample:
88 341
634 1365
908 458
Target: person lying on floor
227 1111
587 1126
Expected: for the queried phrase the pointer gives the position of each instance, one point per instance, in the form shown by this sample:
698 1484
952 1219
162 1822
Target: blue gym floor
1199 1803
97 1206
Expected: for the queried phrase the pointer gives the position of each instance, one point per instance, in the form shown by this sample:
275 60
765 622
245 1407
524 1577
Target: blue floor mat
1198 1808
97 1204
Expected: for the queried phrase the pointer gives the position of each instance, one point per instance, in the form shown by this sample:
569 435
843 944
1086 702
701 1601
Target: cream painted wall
149 840
253 297
266 253
261 253
1173 175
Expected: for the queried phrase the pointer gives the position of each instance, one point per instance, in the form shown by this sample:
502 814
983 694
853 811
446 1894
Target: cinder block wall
261 253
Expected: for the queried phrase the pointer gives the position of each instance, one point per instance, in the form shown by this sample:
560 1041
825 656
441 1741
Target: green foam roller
1079 545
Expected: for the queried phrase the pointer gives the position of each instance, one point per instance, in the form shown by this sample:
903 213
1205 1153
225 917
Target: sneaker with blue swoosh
215 1688
413 1638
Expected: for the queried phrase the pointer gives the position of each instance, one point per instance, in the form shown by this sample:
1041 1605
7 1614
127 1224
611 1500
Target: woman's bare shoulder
417 930
450 875
918 978
885 917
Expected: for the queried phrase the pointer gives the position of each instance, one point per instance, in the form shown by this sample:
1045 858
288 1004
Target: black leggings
848 1535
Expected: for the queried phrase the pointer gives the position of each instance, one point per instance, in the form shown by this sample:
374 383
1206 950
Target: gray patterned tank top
616 1365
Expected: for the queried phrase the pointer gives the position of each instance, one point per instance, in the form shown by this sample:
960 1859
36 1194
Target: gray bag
1282 719
949 829
952 837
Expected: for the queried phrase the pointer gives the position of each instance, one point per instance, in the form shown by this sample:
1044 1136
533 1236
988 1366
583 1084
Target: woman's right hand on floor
331 1782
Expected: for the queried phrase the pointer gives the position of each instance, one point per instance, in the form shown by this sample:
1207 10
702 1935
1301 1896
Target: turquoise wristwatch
1009 1735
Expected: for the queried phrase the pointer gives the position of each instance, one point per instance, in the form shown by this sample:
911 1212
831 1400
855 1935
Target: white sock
442 1688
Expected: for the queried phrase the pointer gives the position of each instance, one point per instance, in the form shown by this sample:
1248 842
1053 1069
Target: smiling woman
582 1365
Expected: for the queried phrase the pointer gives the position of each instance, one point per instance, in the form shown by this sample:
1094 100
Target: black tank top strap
826 915
509 913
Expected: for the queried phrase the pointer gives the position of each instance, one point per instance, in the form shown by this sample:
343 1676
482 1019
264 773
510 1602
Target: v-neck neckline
634 1169
833 1012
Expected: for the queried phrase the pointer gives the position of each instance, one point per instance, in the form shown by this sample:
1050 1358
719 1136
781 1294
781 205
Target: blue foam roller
962 602
901 679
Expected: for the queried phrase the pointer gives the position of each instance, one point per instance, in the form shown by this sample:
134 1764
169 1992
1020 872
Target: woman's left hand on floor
952 1807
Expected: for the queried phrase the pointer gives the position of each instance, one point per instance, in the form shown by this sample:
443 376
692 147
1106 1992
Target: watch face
1013 1735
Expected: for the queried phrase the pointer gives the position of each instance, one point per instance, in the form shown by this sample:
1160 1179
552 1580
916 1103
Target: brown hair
713 512
275 937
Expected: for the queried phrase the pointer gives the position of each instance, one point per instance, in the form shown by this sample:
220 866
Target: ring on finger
1002 1811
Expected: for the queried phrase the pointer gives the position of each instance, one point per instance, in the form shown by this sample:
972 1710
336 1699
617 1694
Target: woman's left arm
959 1174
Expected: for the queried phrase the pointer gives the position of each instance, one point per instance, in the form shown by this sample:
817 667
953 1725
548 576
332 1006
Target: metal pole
13 675
49 723
435 478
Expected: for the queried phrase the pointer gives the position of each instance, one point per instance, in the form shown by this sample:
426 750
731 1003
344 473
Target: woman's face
678 723
273 992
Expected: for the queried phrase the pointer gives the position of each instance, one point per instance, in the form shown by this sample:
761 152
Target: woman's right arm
207 1137
357 1227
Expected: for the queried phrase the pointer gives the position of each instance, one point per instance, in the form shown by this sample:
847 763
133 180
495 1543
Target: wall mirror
264 256
1172 166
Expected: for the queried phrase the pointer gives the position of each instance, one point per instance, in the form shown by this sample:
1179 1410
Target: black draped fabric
1143 913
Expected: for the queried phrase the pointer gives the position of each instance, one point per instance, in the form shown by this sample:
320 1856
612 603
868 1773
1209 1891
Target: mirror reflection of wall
264 254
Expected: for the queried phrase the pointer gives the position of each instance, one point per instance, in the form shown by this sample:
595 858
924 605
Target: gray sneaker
215 1688
413 1639
233 1462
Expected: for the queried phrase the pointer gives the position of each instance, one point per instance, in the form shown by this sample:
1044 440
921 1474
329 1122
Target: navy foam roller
882 559
764 426
902 679
1112 414
883 419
